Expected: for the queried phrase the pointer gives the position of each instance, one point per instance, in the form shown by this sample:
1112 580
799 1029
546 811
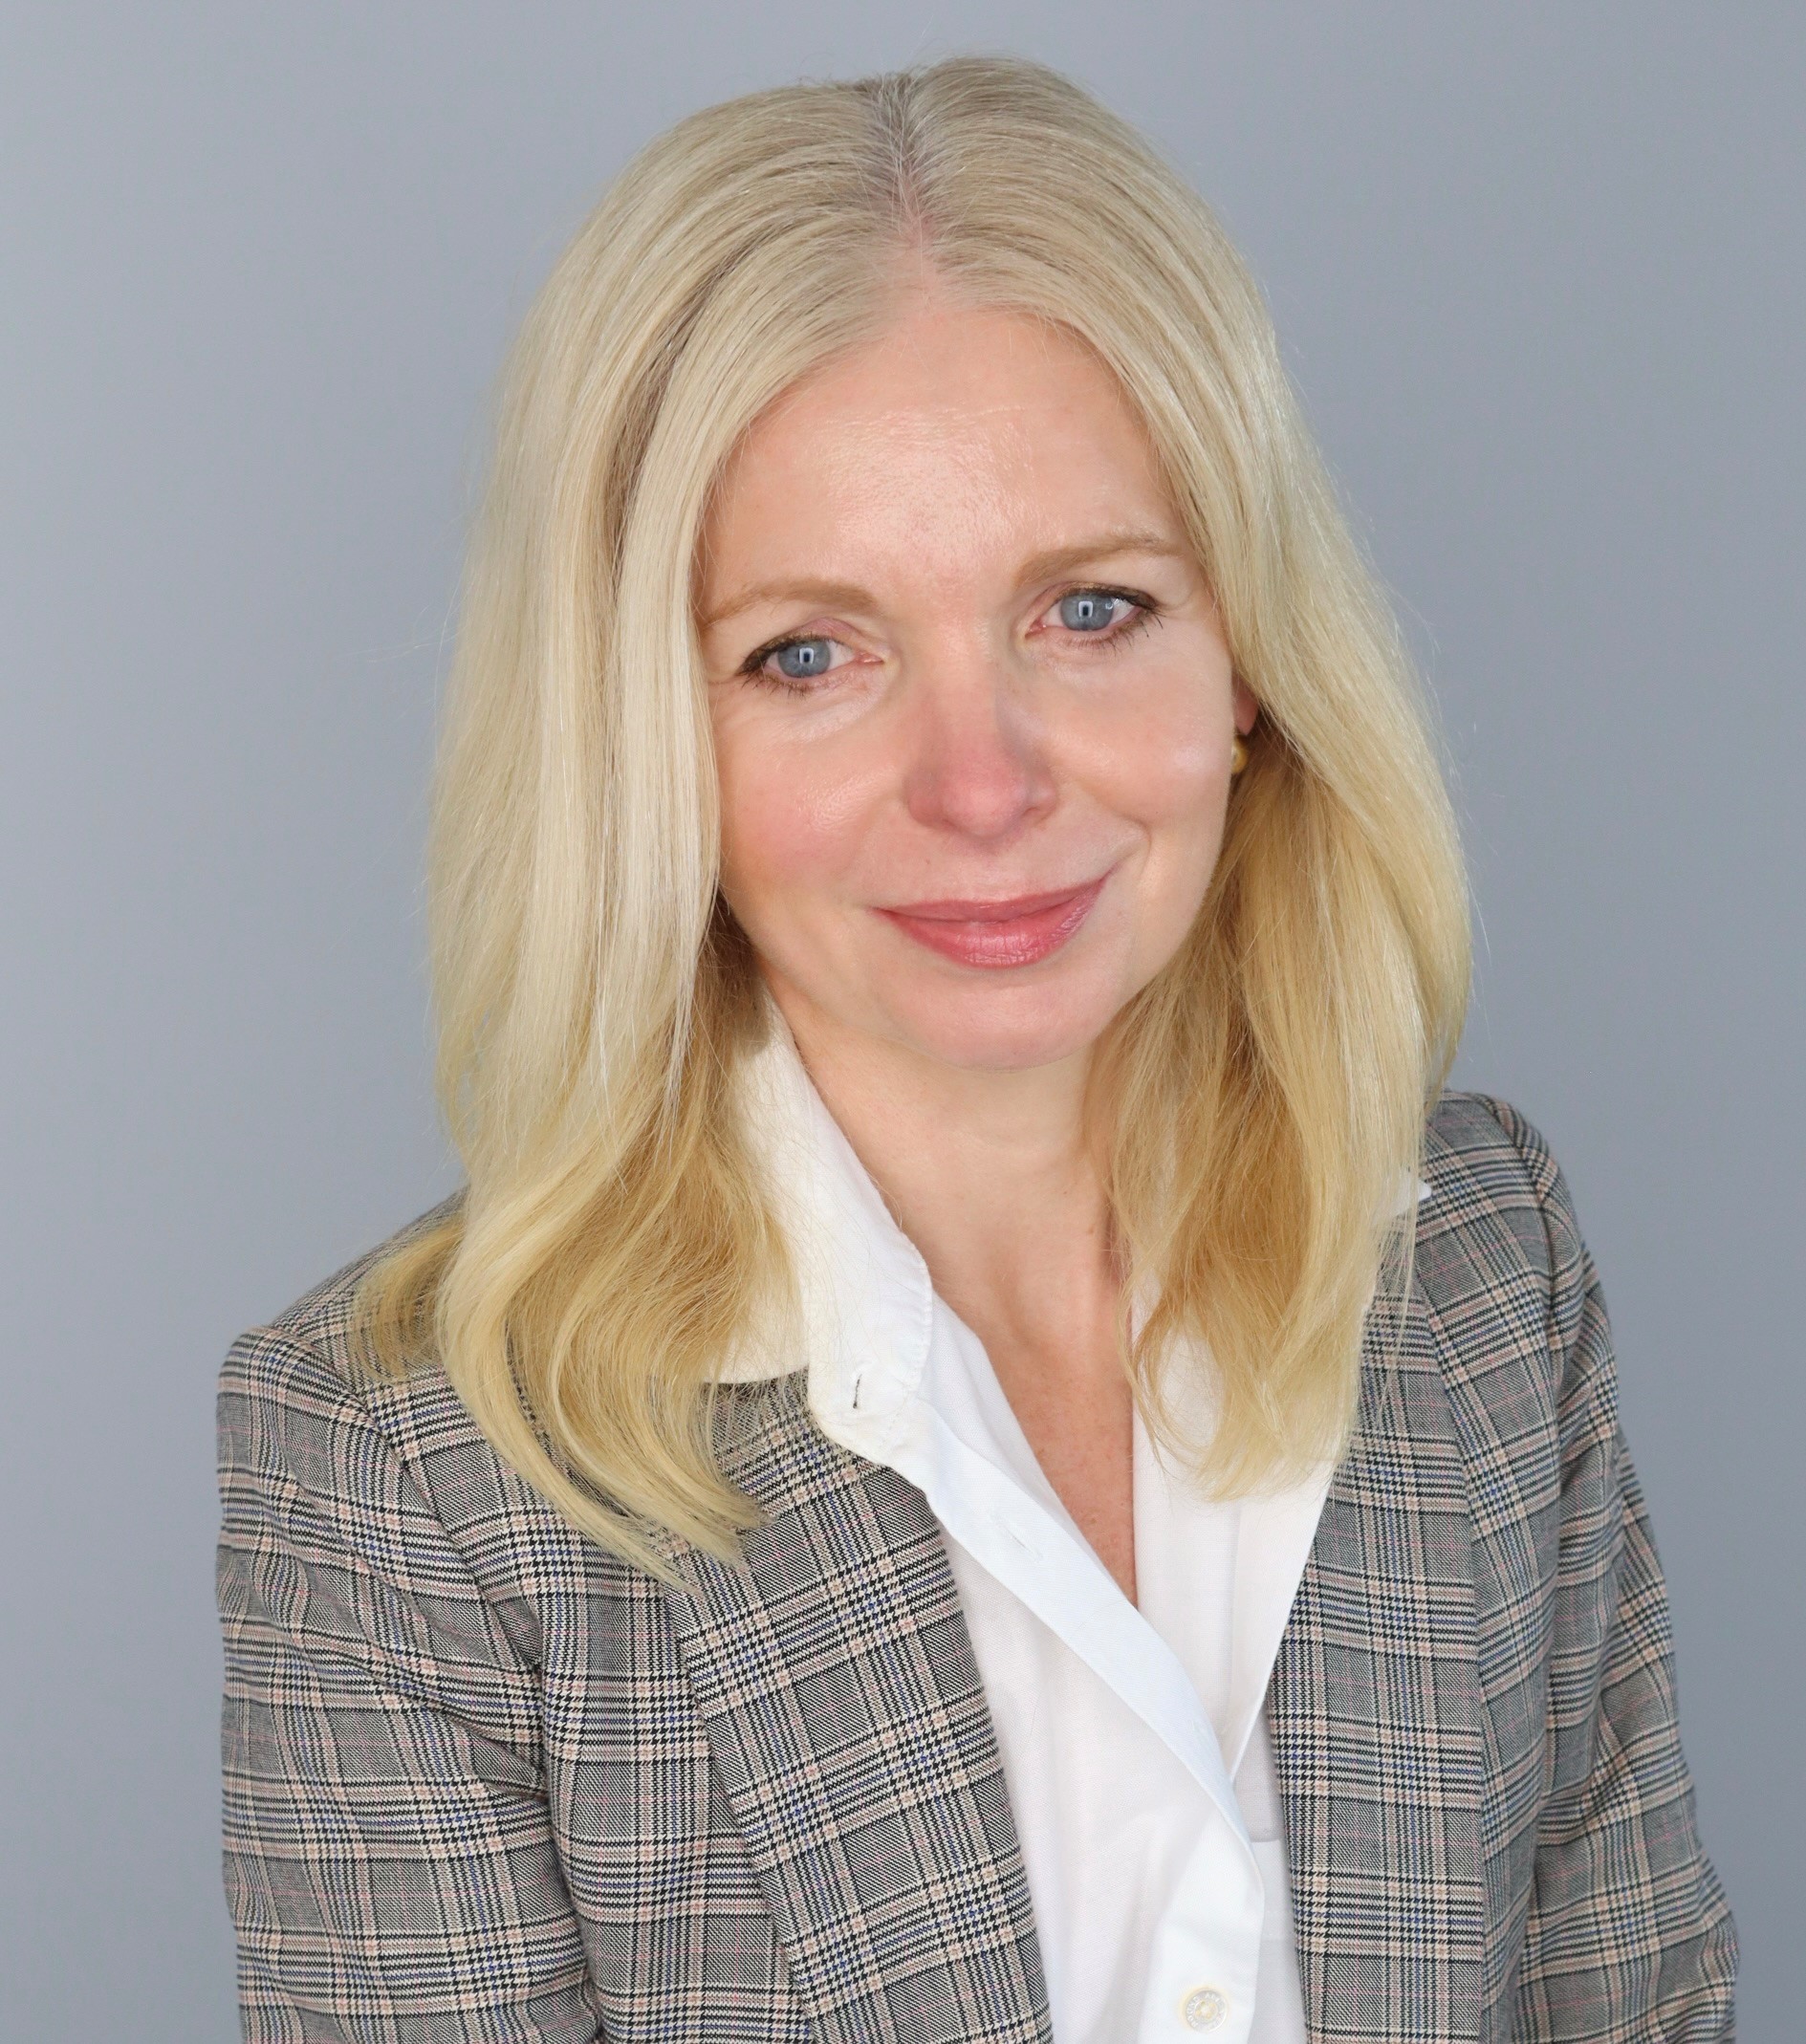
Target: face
972 703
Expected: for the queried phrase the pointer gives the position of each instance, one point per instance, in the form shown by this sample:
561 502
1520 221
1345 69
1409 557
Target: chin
1003 1029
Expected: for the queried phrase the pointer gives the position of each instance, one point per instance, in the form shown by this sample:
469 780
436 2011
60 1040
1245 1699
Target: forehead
961 429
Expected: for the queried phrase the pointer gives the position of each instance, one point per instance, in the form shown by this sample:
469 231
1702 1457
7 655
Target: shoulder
1499 1249
302 1422
1493 1178
305 1364
1481 1153
323 1320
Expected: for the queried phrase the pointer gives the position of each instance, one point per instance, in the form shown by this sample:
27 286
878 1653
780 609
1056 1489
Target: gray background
1539 270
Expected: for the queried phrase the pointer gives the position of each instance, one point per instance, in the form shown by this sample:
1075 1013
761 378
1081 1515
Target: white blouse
1132 1737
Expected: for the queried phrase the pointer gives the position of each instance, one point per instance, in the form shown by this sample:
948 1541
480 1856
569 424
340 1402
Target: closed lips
967 911
1018 931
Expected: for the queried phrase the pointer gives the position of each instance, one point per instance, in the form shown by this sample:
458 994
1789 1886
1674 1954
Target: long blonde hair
1267 1093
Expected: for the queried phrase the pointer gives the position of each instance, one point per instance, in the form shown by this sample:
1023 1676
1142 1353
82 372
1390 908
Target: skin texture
928 514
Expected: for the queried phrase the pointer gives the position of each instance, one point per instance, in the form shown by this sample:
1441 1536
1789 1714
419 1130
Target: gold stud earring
1238 755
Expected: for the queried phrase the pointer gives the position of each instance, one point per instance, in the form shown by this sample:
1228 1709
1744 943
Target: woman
985 1453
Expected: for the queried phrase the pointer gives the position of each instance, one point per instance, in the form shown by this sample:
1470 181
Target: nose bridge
978 759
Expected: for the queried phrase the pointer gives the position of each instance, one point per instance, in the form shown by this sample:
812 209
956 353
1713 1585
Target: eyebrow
1038 568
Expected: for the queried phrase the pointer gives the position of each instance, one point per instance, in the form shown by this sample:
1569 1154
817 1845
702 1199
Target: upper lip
954 908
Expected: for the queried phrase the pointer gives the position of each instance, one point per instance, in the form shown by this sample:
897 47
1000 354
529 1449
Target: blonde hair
1267 1093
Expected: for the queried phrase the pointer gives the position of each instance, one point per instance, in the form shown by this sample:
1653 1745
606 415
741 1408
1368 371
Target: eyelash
1146 612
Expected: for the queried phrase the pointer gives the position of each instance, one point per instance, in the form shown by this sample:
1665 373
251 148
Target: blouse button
1203 2009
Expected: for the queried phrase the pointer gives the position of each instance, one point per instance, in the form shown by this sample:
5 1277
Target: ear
1247 709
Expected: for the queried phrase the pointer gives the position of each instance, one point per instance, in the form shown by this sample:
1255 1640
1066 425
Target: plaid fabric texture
486 1783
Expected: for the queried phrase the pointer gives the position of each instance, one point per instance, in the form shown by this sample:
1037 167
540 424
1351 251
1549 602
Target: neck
991 1174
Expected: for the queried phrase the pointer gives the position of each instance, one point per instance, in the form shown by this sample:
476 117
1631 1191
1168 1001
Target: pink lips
1017 933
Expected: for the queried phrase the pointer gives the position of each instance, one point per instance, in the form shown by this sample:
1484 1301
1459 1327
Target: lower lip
1014 940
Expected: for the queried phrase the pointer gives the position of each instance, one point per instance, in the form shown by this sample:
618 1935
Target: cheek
1165 773
788 826
1165 769
1186 804
1184 781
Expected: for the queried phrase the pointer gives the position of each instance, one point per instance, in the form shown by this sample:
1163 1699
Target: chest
1077 1415
781 1789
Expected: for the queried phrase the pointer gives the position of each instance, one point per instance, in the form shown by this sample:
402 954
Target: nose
978 758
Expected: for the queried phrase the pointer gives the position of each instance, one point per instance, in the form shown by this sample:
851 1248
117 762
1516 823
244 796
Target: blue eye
801 660
1090 610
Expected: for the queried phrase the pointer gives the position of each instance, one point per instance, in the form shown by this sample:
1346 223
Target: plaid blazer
485 1782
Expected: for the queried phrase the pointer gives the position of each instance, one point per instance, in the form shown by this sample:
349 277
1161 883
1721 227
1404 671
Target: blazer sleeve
1629 1938
389 1860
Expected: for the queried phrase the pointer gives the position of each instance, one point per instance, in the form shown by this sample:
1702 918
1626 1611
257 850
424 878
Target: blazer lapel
1376 1720
848 1723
